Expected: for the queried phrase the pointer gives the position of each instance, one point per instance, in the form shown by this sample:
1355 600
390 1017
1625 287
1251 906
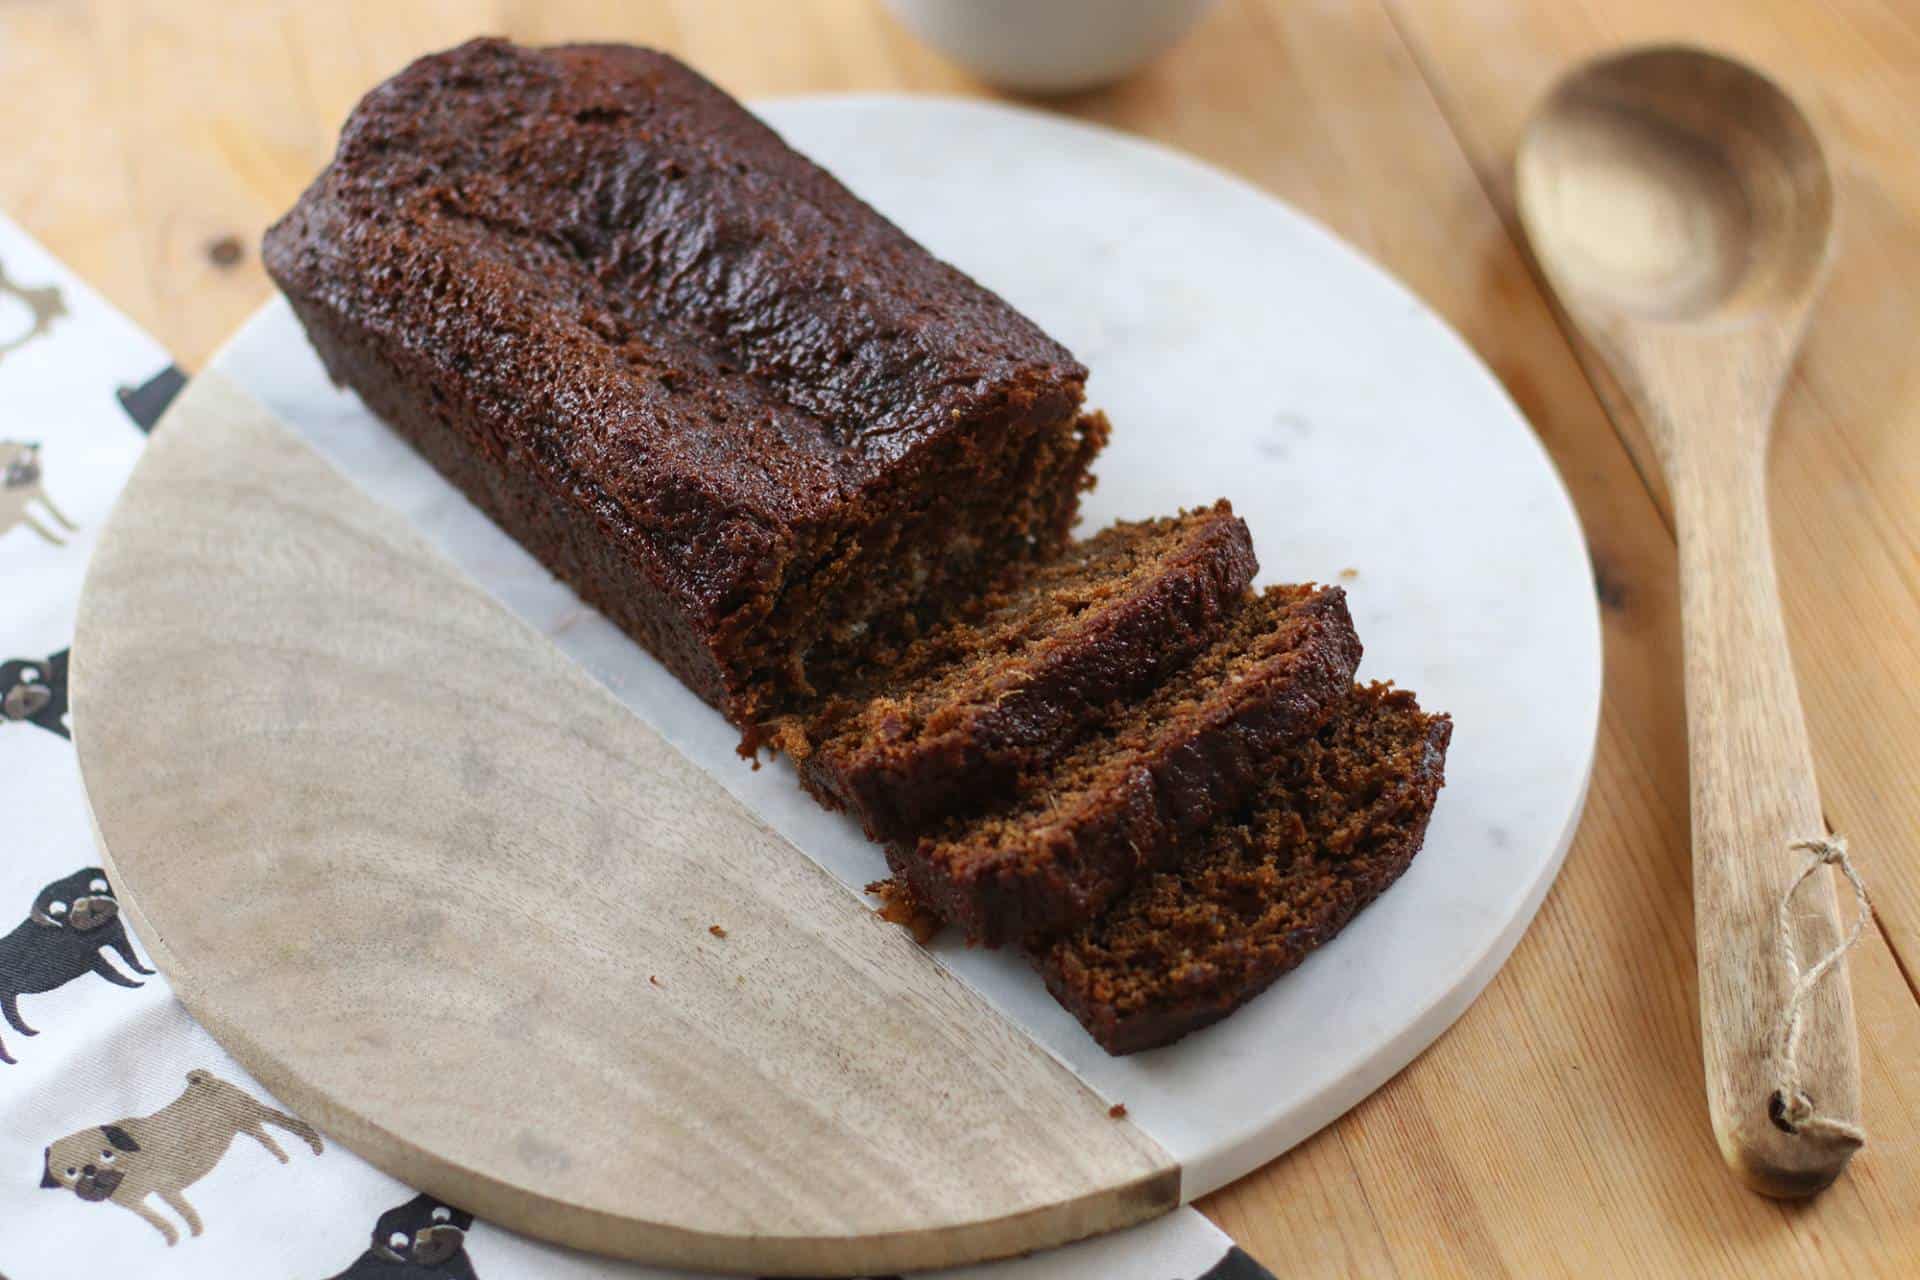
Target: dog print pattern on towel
26 312
129 1161
1237 1265
72 925
146 402
423 1239
23 495
34 691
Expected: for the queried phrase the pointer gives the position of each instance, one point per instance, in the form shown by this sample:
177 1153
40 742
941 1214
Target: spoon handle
1782 1058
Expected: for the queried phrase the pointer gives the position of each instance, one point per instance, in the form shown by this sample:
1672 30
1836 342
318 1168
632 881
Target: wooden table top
1560 1127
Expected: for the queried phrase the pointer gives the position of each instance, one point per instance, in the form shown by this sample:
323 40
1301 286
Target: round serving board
439 854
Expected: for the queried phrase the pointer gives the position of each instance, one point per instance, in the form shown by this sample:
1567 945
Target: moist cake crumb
965 711
1342 816
1076 831
899 906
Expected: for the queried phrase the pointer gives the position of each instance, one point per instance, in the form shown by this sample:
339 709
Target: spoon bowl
1681 208
1676 184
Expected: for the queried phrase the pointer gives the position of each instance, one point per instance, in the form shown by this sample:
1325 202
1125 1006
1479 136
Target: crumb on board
1118 1111
1348 575
655 980
716 931
899 906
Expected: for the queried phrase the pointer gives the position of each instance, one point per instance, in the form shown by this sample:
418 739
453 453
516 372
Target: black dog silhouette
1236 1265
73 923
35 692
146 402
422 1239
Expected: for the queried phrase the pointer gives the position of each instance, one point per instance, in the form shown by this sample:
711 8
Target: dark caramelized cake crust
739 411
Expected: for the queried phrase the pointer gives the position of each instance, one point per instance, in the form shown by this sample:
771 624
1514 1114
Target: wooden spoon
1681 208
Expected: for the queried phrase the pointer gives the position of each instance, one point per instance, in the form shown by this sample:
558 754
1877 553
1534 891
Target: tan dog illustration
43 304
20 488
165 1153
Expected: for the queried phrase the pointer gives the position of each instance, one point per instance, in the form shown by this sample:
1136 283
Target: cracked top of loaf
698 330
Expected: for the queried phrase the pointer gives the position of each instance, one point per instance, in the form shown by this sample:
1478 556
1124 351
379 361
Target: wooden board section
687 1045
1558 1128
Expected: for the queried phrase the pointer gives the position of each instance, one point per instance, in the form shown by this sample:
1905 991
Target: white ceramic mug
1050 46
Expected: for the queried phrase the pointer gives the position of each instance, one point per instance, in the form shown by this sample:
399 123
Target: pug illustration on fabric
129 1161
34 691
423 1239
23 498
74 922
26 312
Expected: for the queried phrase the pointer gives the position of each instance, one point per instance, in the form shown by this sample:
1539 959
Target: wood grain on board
1560 1128
817 1092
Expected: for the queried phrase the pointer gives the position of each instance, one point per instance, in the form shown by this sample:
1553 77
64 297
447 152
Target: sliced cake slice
1343 816
1074 834
972 707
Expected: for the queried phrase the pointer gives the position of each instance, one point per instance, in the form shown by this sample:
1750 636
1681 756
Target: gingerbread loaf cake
970 708
829 480
1343 815
741 413
1076 832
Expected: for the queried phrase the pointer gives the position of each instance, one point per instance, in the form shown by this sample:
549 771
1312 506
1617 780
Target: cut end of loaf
962 713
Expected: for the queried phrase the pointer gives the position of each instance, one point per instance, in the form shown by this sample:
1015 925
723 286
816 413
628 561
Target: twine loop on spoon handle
1791 1108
